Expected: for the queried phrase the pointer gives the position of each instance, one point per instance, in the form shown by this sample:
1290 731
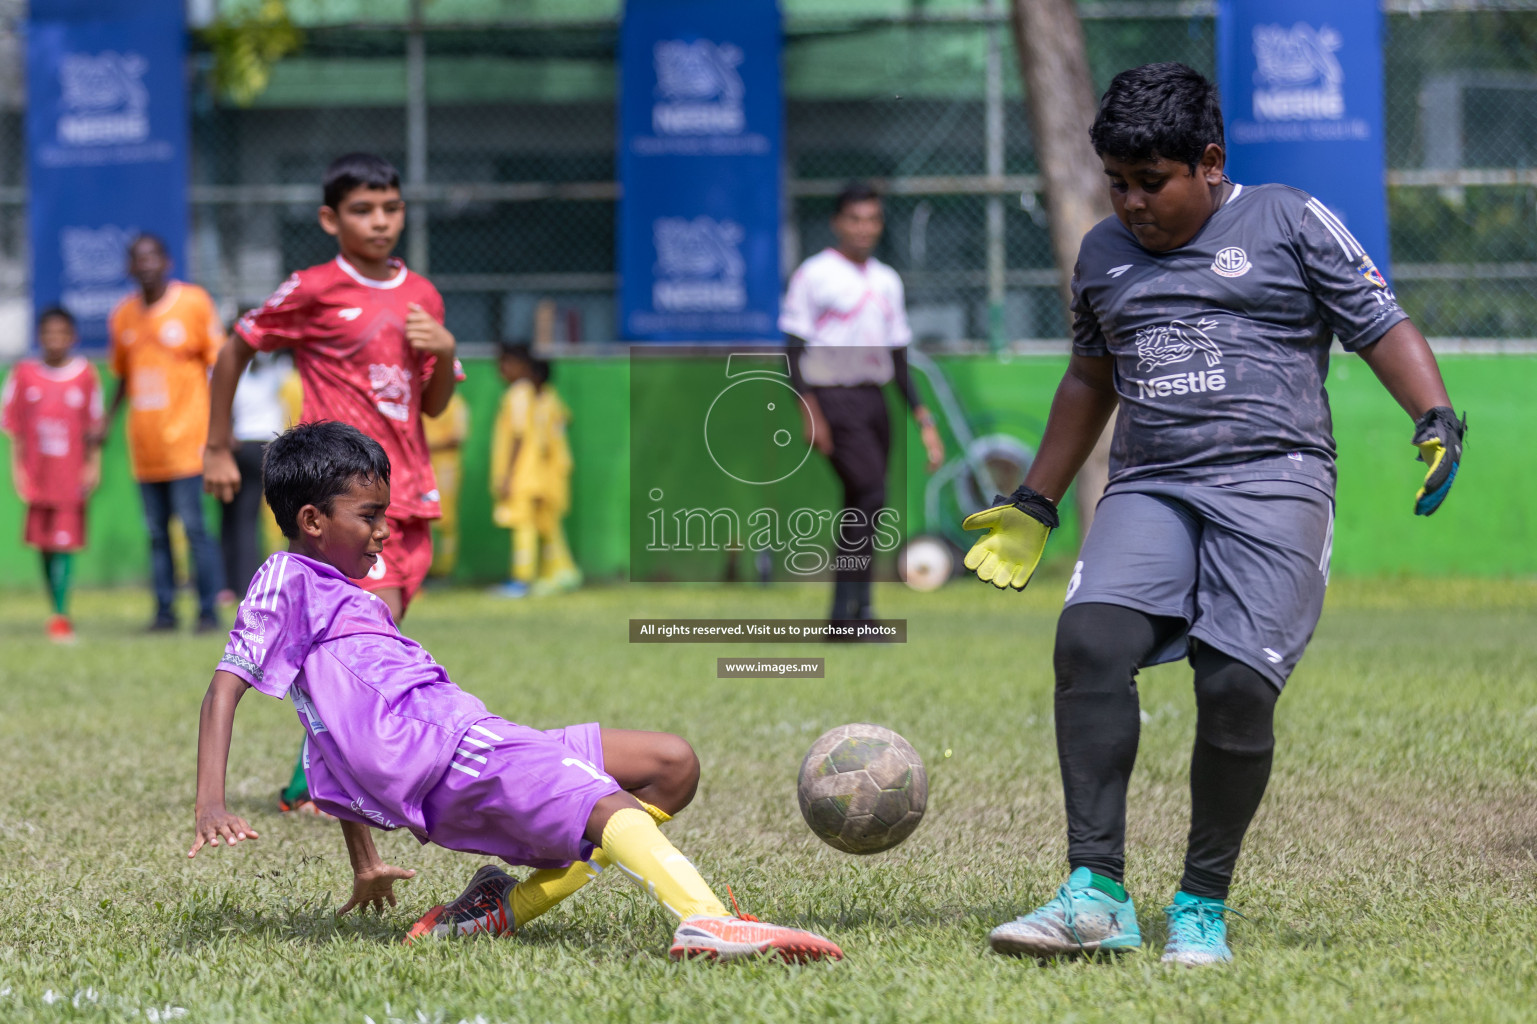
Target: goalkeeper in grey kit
1204 310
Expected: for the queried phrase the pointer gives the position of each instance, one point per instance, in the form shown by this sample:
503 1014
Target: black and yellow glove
1017 528
1438 435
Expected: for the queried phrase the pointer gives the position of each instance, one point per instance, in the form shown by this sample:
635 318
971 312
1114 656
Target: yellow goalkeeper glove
1017 528
1438 435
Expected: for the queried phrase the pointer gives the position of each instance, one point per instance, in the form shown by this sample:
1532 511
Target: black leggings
239 532
861 430
1099 649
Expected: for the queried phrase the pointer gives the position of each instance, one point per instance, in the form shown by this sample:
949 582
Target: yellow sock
544 888
634 843
525 554
548 886
556 557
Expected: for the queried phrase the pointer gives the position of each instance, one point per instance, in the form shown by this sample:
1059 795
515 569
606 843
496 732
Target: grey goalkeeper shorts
1243 564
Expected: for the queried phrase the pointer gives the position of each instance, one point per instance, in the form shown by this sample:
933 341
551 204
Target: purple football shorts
520 794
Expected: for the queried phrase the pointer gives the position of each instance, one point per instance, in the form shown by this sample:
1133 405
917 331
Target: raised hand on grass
375 886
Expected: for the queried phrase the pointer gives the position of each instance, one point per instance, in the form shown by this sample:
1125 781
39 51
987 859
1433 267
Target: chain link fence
520 198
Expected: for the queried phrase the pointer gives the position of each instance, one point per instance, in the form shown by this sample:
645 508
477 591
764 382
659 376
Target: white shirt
834 303
258 408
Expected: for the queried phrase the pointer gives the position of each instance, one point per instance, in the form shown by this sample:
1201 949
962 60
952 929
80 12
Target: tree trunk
1060 97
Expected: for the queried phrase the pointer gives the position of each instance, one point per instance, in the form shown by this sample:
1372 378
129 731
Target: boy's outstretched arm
213 735
1402 360
373 881
1017 526
221 477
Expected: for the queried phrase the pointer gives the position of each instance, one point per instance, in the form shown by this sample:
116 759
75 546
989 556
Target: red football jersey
348 336
48 411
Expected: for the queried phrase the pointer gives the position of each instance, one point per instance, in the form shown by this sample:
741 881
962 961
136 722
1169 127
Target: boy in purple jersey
1204 310
393 743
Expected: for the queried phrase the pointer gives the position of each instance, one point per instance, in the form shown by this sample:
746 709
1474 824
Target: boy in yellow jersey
531 477
446 433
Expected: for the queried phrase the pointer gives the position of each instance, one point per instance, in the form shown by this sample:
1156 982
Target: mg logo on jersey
351 314
1173 343
1231 262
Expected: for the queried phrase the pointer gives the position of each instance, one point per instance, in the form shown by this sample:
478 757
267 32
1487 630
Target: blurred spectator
446 433
258 418
531 476
163 340
51 407
845 324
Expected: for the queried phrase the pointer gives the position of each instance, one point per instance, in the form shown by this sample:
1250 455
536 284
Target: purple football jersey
383 718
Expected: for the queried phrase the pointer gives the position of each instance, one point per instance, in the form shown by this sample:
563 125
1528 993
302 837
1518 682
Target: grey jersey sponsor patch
1221 347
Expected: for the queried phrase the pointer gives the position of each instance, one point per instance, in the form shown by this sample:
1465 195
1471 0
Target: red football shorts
406 558
56 528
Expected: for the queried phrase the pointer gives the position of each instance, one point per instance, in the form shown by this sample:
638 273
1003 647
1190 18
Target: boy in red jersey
368 340
370 347
50 408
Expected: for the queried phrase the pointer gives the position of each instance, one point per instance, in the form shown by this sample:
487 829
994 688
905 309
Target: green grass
1389 876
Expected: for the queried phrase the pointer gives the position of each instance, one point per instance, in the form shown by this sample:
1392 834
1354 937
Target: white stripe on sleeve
1347 243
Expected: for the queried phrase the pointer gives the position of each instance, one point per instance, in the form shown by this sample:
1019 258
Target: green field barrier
1486 528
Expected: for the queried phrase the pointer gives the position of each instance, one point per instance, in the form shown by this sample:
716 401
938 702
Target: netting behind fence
520 194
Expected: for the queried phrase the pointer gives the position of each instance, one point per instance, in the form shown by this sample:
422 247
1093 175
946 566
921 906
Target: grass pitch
1389 876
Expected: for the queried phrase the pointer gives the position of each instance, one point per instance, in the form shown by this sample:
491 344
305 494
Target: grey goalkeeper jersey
1221 346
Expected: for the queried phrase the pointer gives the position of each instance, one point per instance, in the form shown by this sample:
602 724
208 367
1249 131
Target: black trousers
861 434
1099 649
238 532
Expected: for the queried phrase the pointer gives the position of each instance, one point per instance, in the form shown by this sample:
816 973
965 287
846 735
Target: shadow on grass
866 916
219 920
316 924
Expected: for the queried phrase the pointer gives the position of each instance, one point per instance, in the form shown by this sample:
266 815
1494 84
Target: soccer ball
862 788
926 563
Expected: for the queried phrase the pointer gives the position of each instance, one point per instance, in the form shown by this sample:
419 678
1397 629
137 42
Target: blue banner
107 143
1301 85
700 132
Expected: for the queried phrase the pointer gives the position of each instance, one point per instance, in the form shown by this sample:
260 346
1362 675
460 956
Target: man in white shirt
258 417
845 324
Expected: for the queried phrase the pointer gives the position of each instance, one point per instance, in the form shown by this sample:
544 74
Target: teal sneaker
1081 919
1197 931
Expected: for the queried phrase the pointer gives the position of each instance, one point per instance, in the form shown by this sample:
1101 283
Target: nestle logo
698 88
